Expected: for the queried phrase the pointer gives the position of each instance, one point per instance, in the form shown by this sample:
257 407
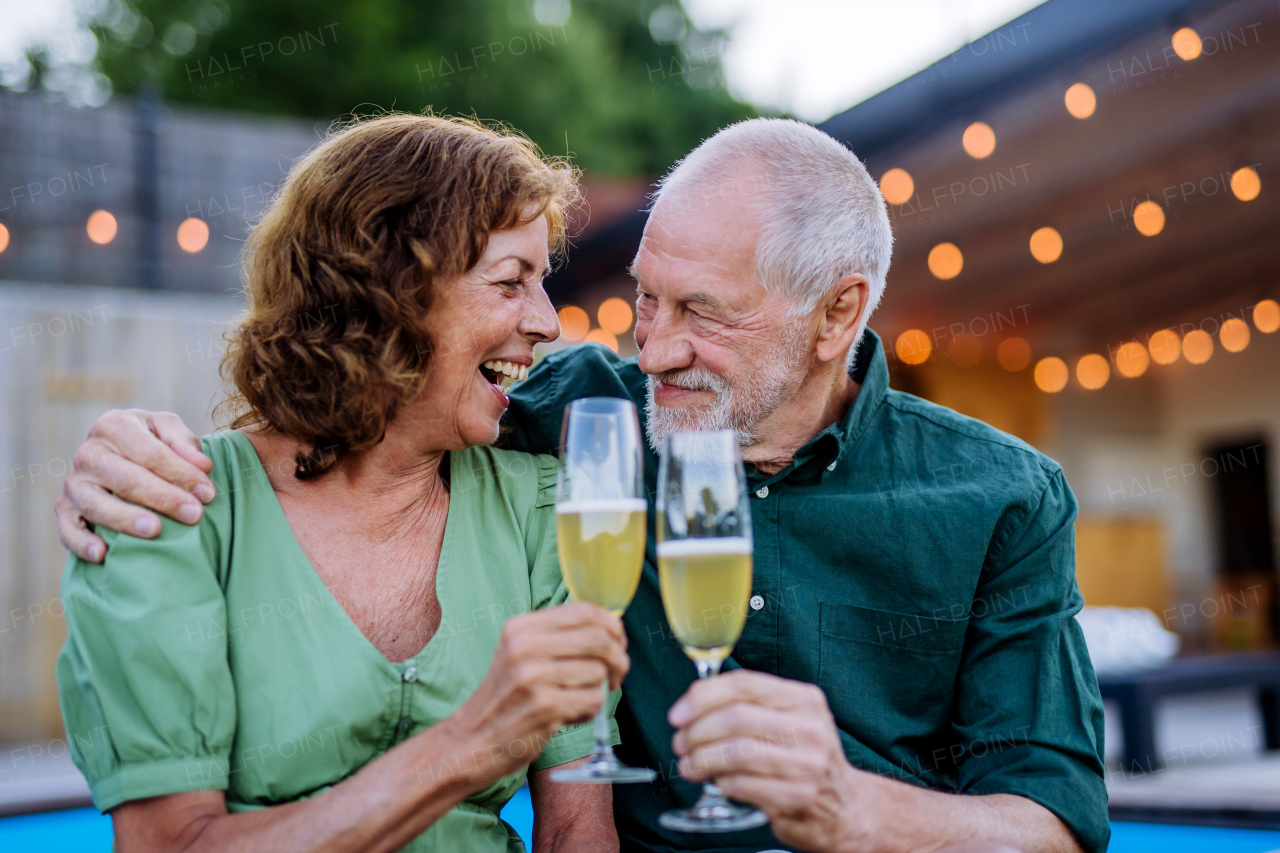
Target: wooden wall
66 355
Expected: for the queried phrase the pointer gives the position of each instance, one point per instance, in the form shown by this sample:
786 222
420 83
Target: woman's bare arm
545 674
568 818
382 808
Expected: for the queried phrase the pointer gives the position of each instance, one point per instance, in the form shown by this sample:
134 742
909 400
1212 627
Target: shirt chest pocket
889 677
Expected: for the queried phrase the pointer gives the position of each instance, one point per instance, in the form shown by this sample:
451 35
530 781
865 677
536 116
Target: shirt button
831 467
411 674
762 492
757 602
405 724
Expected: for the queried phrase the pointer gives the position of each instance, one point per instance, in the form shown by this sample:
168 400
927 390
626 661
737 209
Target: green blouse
214 657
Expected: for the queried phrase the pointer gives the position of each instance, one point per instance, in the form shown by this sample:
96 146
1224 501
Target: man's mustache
692 379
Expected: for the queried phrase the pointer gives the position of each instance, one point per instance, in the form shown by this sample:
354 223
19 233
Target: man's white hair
823 216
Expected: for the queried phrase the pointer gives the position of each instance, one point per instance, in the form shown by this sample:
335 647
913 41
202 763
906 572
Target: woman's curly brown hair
342 266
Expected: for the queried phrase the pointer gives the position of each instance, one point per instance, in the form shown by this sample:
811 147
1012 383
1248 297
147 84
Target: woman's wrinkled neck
399 475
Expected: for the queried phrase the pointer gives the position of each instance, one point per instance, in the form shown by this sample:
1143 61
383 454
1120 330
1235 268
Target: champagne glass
600 533
704 567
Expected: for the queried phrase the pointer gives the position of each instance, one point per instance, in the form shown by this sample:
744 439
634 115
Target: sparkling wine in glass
600 533
704 567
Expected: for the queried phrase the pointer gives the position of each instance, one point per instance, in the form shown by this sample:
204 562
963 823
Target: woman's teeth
510 373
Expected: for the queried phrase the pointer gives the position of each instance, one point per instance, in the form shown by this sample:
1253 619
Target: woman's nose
540 323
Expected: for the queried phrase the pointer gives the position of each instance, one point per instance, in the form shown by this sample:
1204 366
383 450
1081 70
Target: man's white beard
764 389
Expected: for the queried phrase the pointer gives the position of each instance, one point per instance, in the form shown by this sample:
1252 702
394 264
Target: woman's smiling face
483 326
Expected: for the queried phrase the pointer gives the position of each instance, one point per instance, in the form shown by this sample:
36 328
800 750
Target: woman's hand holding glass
600 533
546 674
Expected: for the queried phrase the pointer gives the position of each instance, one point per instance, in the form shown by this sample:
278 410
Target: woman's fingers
577 614
575 631
580 705
592 644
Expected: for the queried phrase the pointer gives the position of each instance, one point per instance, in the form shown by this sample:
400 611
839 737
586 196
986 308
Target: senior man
910 676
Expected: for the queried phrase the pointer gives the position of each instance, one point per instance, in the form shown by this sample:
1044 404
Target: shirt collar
825 451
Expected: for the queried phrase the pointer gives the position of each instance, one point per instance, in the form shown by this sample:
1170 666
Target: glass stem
602 722
711 794
707 668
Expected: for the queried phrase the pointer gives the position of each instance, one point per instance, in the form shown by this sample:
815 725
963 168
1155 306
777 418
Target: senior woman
326 659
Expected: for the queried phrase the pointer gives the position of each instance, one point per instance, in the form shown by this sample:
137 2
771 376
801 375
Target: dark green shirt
917 565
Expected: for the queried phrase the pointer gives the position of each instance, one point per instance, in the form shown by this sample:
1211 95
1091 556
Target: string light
1092 371
193 235
1046 245
601 336
1234 335
101 227
1014 354
945 260
1186 43
1148 218
574 323
1051 374
1081 102
913 346
614 315
1245 184
1166 346
1266 316
979 140
1132 360
1197 347
897 186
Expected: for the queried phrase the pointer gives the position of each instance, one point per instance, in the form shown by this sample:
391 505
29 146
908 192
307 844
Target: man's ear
843 307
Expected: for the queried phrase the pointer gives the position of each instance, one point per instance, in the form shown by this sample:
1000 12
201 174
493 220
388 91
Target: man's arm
568 818
152 460
773 743
149 458
536 414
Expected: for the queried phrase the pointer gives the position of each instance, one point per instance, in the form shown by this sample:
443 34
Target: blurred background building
1082 195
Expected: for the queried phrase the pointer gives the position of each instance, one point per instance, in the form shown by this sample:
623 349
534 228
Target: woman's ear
844 306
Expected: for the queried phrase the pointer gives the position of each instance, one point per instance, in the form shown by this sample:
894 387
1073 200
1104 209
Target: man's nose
540 323
664 347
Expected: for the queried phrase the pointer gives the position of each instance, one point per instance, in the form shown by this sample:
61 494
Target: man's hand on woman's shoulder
148 458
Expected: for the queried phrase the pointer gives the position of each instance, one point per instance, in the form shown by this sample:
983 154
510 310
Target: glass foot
713 815
604 768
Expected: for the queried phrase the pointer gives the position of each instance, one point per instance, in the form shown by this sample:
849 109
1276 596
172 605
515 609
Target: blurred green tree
626 86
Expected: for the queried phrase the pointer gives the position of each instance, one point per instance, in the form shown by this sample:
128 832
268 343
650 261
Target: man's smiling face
721 351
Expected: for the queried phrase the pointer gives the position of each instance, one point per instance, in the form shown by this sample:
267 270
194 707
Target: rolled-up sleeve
1028 712
147 713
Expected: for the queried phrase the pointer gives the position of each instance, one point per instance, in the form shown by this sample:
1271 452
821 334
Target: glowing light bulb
1051 374
913 346
945 260
896 186
574 323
